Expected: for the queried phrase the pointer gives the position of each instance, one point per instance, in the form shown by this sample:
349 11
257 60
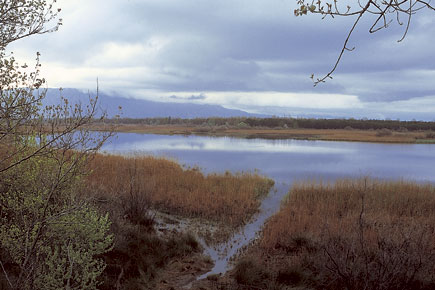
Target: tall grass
311 206
127 187
357 234
165 185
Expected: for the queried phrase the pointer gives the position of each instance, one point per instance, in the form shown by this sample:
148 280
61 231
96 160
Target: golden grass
165 185
311 206
288 133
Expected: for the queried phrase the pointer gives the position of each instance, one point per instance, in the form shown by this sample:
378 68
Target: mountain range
140 108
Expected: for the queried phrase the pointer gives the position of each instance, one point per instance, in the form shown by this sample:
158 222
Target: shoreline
352 135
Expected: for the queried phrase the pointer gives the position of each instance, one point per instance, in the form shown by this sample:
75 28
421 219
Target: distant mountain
136 108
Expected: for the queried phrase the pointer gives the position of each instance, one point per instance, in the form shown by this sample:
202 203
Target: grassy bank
353 234
358 135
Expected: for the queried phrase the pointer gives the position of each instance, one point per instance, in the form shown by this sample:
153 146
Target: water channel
284 161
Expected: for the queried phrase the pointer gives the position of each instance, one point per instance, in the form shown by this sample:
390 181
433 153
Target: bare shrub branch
386 13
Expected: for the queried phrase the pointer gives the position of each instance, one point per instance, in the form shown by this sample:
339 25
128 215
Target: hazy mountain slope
135 108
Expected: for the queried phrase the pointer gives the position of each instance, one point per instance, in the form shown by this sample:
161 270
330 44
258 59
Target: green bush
52 237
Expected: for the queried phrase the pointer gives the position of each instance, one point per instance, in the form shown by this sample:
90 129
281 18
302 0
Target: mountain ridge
139 108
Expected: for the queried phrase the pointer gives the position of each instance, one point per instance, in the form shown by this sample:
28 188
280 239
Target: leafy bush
48 234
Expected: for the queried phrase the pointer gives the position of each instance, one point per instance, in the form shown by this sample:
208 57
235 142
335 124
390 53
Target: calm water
284 161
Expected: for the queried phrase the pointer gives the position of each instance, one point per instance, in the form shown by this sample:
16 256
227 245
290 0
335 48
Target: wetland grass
144 255
350 234
166 186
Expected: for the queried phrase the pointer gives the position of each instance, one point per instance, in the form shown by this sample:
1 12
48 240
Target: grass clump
251 273
139 254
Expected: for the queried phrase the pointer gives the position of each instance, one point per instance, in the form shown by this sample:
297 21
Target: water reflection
286 160
163 143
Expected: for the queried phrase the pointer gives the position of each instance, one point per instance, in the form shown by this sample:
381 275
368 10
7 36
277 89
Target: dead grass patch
166 186
356 234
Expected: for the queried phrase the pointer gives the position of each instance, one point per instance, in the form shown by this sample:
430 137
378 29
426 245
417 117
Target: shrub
248 272
291 276
49 235
384 132
138 255
243 125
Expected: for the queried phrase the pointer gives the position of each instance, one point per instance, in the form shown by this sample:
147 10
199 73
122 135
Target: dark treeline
275 122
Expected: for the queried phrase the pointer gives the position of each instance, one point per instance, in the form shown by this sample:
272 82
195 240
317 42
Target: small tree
49 235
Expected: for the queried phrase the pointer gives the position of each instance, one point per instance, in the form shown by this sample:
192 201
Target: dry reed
355 234
165 185
311 206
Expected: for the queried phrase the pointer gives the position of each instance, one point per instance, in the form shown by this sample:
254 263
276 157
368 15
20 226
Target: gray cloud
190 98
231 46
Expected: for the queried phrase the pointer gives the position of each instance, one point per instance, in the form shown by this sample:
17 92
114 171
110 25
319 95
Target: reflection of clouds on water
285 160
227 144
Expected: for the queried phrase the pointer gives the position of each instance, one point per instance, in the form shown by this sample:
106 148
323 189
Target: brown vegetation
357 135
166 186
283 122
353 234
146 256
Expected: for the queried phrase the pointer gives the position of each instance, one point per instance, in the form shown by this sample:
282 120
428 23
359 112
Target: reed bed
165 185
311 206
353 234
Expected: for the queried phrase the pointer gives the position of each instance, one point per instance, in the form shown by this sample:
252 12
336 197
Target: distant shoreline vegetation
278 122
357 130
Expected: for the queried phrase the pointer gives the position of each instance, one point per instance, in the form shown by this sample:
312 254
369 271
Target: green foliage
70 258
47 231
49 237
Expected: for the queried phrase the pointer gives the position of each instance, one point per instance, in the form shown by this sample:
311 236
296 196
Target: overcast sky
253 55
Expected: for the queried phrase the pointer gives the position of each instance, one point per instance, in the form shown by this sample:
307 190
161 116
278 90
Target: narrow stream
222 254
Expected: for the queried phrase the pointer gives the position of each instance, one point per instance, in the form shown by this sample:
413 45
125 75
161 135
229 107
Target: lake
282 160
285 160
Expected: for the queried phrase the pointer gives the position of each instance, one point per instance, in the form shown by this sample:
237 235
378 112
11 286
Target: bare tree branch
384 10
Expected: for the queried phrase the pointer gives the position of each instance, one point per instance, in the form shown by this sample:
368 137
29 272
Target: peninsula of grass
351 234
164 185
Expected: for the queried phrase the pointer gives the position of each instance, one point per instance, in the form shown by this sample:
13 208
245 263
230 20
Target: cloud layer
246 54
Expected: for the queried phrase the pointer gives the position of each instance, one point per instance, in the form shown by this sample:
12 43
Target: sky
253 55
